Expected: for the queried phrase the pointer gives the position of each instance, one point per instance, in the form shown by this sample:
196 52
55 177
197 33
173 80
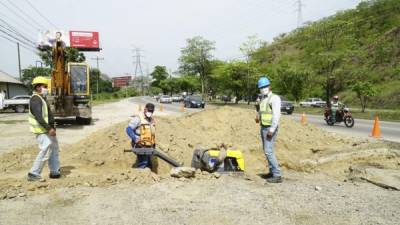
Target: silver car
165 99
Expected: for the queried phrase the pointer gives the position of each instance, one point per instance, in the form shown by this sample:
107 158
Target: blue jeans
143 161
268 146
47 145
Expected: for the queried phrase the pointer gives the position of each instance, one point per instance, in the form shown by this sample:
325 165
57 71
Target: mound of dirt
99 160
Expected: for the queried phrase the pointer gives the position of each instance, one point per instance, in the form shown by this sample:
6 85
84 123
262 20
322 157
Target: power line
18 16
38 12
20 25
15 42
13 30
17 39
27 15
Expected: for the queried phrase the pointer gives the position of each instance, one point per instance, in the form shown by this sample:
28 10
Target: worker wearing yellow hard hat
41 123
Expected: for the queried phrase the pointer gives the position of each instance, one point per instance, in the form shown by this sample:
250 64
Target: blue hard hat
263 82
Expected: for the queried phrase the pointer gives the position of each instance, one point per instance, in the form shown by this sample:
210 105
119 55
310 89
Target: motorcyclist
336 107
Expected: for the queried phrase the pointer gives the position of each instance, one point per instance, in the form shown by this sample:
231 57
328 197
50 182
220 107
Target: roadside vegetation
354 54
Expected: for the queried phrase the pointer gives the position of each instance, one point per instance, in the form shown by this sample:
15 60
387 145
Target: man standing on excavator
141 130
269 112
41 123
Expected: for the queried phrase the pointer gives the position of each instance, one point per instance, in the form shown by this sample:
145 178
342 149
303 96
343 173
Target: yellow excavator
69 88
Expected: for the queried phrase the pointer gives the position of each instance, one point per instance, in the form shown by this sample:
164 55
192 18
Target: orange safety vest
146 131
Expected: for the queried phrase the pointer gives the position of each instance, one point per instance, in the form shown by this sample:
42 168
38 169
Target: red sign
84 40
118 82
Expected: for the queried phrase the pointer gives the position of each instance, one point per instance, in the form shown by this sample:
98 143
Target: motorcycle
342 115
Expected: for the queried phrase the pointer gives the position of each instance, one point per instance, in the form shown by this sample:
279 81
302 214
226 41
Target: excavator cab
79 90
80 81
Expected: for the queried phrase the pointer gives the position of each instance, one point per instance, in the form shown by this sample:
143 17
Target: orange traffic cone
139 107
303 119
182 109
376 130
161 108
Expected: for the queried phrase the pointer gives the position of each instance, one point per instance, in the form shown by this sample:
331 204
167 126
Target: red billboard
118 82
84 40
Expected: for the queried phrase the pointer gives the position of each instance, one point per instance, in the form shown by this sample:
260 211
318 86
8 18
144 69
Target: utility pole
299 11
138 66
19 63
98 70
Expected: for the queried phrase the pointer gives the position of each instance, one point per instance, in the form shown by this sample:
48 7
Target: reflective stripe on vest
35 126
265 111
147 132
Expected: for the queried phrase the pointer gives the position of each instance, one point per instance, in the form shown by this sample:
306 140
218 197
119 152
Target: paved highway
174 107
362 128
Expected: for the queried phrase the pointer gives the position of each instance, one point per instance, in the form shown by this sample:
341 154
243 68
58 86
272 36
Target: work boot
54 175
33 177
266 176
274 179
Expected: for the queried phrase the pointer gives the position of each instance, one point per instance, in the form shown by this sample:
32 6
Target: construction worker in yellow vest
269 112
41 123
141 130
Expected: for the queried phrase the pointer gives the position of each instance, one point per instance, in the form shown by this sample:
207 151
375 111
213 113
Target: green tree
232 78
31 72
196 59
364 91
71 55
248 48
159 74
293 81
104 85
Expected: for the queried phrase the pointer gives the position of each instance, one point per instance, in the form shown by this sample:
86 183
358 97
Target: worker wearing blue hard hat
269 112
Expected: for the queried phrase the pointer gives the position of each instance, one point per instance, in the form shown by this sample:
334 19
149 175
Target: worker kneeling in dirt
42 124
141 129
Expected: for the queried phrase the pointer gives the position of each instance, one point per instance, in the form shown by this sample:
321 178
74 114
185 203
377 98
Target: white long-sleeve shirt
276 111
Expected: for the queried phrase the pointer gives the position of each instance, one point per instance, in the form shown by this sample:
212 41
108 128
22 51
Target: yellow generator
218 160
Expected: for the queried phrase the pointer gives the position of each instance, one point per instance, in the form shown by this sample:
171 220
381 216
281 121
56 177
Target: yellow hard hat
40 80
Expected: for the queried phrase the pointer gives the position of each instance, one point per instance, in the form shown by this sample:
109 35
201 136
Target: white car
313 102
18 103
165 99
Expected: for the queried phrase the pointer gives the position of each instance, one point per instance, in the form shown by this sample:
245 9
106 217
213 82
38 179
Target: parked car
177 98
165 99
226 98
286 106
313 102
194 101
18 103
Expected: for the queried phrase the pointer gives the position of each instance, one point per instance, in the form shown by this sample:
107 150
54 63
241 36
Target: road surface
173 107
362 128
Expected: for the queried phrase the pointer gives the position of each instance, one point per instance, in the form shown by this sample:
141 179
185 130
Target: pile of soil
99 160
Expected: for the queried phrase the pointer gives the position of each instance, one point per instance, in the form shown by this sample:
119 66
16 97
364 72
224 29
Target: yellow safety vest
35 126
265 111
147 132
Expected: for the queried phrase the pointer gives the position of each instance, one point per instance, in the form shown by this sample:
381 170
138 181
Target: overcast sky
158 27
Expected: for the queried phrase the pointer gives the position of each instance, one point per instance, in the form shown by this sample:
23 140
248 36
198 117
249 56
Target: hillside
329 56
